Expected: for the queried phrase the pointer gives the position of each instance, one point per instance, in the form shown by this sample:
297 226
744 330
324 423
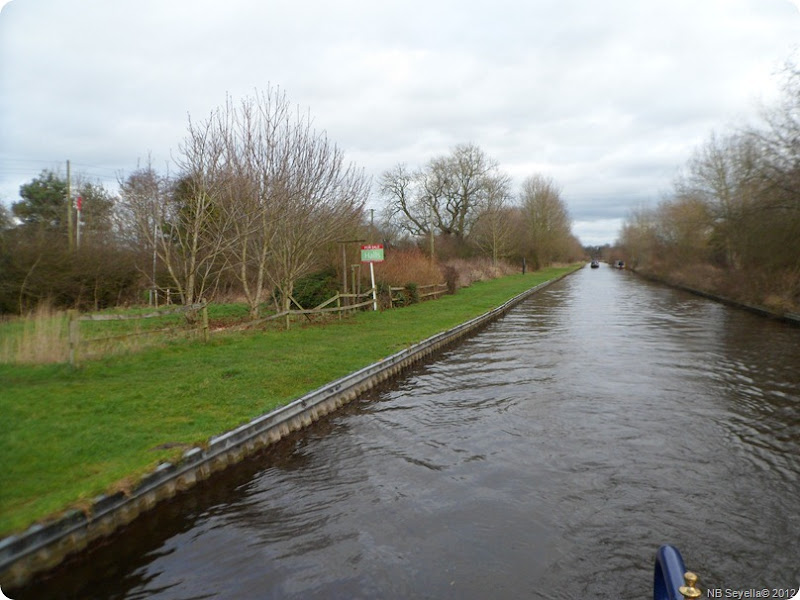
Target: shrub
451 278
384 292
410 294
464 273
314 289
402 266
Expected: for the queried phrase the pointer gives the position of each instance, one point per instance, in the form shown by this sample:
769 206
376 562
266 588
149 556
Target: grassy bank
70 435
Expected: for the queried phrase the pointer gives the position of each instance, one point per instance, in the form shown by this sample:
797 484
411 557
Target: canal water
547 456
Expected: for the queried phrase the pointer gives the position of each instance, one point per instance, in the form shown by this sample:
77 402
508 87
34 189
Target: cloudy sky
608 98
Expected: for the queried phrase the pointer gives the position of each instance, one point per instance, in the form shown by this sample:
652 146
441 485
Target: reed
40 337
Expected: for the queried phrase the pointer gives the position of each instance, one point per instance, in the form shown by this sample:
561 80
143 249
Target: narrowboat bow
671 580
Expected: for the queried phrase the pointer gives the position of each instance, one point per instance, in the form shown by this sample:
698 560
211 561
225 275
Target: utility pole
371 225
433 259
78 213
154 289
69 209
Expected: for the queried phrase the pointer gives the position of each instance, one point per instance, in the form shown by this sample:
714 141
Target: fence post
204 317
73 329
339 305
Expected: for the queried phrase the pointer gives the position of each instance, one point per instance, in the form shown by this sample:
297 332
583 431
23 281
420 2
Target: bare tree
493 231
778 142
736 209
256 137
140 216
322 199
724 175
408 207
683 226
196 229
638 238
546 234
448 195
283 192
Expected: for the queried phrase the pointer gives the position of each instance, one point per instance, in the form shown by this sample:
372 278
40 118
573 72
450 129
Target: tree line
731 223
259 199
464 204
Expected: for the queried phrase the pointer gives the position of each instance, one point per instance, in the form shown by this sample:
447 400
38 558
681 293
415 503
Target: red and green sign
372 253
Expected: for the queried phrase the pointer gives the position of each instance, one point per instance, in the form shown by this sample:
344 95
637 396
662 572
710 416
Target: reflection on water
546 457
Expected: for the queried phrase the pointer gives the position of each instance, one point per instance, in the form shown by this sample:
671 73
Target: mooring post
204 317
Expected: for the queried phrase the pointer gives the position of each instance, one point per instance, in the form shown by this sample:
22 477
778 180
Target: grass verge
72 434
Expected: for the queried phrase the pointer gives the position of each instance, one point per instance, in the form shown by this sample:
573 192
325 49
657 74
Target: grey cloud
607 98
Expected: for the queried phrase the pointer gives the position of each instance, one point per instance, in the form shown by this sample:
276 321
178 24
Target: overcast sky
609 98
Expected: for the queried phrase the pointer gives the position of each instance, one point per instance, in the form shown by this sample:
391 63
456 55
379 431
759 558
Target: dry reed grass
478 269
408 266
779 292
41 337
413 266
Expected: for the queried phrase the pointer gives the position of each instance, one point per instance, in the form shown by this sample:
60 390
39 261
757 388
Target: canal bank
44 546
788 317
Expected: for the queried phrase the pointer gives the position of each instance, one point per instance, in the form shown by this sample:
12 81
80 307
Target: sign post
372 253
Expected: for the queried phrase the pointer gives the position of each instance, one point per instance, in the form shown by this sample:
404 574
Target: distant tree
724 175
684 227
545 234
638 239
407 207
493 231
735 212
39 263
44 202
778 141
141 218
97 209
448 195
774 239
5 217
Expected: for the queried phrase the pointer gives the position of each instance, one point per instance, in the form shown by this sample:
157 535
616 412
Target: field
71 434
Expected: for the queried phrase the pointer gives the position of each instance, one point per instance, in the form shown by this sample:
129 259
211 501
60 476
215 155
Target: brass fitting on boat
690 590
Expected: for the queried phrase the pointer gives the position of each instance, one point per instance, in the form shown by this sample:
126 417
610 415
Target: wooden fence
399 294
76 340
339 304
349 302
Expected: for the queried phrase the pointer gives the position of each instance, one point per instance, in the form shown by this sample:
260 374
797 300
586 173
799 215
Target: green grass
71 434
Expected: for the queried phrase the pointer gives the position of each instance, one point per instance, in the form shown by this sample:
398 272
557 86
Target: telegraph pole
433 258
69 209
78 212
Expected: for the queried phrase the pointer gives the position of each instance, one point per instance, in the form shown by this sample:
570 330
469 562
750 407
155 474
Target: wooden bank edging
43 547
788 317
